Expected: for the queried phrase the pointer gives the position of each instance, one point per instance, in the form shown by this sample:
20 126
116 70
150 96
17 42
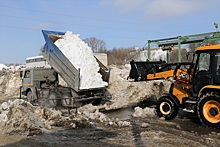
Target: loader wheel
166 108
209 110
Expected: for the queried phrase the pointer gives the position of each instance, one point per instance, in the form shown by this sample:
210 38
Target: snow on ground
29 119
125 93
9 83
20 117
81 56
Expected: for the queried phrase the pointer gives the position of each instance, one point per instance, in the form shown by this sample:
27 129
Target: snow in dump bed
81 56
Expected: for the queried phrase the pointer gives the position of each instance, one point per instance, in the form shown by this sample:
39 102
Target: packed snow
81 56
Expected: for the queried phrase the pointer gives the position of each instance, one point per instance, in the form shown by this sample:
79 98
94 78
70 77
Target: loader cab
207 68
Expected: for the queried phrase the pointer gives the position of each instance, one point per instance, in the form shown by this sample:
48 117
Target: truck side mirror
21 75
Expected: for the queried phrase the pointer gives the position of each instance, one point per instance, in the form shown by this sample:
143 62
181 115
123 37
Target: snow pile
156 55
21 117
125 93
11 68
3 67
139 112
92 113
10 83
81 56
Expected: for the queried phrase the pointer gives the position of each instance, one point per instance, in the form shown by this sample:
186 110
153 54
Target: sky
119 23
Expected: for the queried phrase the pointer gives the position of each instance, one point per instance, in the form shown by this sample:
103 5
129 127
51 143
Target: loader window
217 56
204 62
202 73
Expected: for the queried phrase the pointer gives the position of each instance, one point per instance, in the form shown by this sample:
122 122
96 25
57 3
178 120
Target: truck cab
37 78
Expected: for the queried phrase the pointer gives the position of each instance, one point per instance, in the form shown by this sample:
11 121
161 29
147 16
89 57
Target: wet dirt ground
185 130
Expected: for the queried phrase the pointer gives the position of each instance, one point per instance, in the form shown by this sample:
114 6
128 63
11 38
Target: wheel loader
195 90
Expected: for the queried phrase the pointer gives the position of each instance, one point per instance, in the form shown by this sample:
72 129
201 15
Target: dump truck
196 90
41 85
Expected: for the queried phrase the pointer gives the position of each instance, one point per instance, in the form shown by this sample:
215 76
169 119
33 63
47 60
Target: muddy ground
185 130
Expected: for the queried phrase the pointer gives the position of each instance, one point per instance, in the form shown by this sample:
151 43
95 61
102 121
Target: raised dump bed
62 64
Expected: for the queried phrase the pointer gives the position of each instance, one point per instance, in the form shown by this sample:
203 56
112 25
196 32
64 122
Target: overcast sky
120 23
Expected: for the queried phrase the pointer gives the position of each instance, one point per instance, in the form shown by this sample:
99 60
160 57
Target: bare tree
119 56
97 45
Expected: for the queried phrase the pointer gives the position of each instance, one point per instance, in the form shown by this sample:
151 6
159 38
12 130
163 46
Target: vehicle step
187 110
190 102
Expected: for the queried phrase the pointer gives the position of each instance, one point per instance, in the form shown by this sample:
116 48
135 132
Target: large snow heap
81 56
20 116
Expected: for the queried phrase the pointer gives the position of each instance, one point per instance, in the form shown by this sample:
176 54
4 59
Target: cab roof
209 47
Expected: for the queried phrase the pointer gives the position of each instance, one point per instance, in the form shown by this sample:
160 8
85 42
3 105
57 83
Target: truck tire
30 97
97 102
167 108
52 99
208 109
66 99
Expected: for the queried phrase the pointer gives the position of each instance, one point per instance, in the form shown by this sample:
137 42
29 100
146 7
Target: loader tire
167 108
208 109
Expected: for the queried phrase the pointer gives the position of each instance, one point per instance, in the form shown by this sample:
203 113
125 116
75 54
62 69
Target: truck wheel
209 110
66 99
30 97
167 108
52 99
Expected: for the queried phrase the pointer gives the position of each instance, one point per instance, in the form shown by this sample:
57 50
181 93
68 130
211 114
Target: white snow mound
81 56
2 66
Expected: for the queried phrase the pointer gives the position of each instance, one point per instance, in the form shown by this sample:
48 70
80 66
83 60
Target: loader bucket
140 69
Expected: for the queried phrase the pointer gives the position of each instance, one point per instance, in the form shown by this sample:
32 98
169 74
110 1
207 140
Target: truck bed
60 62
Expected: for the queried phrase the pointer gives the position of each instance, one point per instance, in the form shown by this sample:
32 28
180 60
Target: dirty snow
81 56
91 112
125 93
139 112
21 117
9 83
